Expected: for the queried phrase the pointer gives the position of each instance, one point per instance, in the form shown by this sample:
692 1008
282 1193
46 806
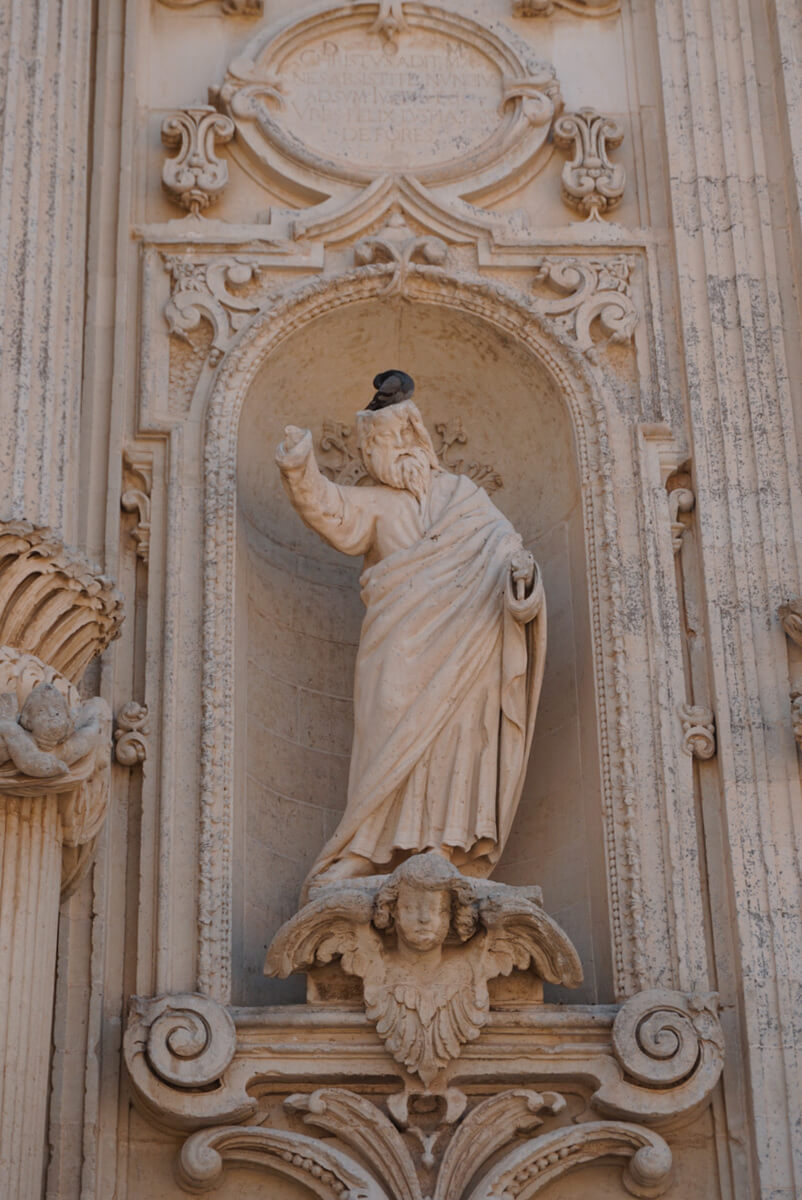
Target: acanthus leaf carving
342 462
130 744
195 176
486 1130
425 1011
137 485
200 289
325 1171
592 288
590 182
698 731
365 1129
397 244
531 1167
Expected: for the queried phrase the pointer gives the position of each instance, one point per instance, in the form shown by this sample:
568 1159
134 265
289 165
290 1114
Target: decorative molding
332 1174
130 745
582 8
176 1048
337 444
655 1062
325 1171
790 615
53 603
517 315
397 244
390 20
273 91
698 731
592 288
680 500
670 1048
231 8
195 176
200 290
590 182
529 1168
137 486
423 1015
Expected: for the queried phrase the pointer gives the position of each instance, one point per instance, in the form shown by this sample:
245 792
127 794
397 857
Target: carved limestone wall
575 223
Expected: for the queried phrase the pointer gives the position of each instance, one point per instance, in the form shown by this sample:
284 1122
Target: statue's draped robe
448 671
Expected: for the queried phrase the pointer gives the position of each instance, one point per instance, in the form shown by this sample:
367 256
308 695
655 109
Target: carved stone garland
56 614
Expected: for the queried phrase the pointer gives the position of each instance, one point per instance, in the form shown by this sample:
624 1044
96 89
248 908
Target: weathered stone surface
406 183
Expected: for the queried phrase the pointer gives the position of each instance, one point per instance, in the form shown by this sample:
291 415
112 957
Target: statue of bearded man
451 653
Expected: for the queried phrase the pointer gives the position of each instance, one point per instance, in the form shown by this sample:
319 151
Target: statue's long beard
409 472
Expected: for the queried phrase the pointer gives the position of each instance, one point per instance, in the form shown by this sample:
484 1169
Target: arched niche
298 617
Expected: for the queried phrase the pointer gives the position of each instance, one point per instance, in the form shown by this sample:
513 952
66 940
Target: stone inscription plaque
423 100
325 97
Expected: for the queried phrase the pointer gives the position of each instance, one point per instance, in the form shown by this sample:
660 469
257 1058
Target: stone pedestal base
30 881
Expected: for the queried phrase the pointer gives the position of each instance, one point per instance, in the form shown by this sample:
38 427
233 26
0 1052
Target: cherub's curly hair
432 873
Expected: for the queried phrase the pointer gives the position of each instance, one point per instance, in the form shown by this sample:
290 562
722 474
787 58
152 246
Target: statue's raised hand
294 439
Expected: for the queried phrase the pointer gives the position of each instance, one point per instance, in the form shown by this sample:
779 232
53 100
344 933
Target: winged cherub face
422 916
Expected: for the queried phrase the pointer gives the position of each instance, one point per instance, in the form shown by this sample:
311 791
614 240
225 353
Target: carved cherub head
424 900
47 717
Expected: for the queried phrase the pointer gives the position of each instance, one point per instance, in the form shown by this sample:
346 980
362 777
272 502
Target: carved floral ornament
195 176
594 304
591 183
389 85
660 1064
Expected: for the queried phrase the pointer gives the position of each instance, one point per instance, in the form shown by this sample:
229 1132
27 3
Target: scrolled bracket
670 1048
175 1048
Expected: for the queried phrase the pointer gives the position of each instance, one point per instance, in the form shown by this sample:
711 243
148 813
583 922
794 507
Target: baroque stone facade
576 224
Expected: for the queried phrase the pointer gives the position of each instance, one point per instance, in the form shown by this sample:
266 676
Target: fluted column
55 749
45 72
30 874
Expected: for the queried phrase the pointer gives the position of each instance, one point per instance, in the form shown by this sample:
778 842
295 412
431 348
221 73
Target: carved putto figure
425 940
451 653
45 738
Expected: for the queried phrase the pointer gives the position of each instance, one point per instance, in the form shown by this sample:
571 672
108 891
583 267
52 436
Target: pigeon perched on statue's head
391 388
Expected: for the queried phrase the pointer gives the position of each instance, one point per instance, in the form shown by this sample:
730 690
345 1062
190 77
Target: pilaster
45 69
747 508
